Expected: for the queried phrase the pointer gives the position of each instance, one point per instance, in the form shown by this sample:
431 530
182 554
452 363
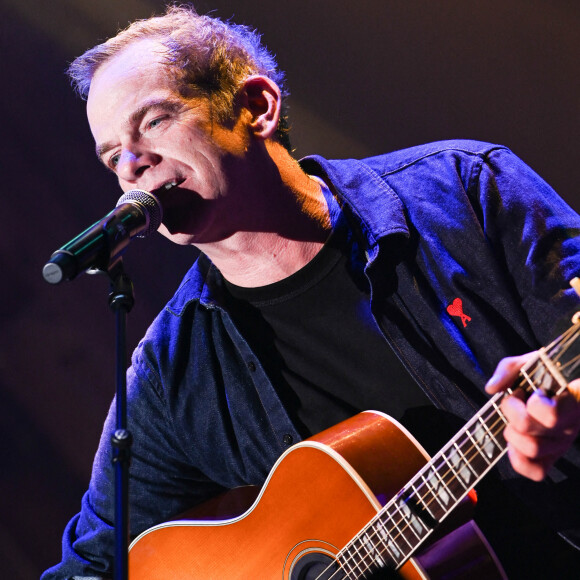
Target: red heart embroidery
456 309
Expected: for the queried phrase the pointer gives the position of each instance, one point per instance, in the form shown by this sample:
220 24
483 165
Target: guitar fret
552 370
483 444
386 536
375 557
426 504
453 483
571 365
407 531
441 493
499 412
360 561
380 546
353 558
527 378
478 462
466 470
365 554
386 541
491 436
412 522
396 540
345 565
373 554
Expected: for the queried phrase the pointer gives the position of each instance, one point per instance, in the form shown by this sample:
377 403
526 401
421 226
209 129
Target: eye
155 122
114 160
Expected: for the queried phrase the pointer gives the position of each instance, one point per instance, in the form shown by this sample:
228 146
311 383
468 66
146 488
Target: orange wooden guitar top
316 499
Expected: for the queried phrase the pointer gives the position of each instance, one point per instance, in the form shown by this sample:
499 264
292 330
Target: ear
261 97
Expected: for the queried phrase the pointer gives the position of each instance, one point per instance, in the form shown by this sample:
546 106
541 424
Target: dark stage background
366 77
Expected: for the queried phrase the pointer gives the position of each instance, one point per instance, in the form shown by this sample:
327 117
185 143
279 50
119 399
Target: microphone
138 214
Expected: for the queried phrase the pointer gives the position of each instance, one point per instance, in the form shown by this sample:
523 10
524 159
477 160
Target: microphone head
149 205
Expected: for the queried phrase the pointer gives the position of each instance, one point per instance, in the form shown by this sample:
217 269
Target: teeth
170 185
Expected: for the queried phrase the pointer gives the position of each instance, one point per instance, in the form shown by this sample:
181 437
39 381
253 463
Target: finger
561 414
539 416
507 372
574 389
536 447
535 470
515 411
543 409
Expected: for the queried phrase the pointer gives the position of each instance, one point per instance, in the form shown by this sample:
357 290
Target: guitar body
318 496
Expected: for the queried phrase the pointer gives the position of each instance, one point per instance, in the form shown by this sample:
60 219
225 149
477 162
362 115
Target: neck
264 259
287 223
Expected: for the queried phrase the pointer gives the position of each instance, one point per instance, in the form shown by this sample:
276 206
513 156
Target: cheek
207 165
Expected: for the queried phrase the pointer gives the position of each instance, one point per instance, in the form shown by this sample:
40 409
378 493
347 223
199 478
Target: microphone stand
121 300
138 213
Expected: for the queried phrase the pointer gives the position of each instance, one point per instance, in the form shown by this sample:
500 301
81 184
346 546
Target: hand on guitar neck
540 429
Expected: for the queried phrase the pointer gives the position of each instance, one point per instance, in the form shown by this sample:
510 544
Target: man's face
154 139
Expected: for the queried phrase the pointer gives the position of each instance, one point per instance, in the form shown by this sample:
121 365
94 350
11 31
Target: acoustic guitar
355 499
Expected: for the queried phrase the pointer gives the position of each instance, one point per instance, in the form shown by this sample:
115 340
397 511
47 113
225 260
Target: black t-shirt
318 342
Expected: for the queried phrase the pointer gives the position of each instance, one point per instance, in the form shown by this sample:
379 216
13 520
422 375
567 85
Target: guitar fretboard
402 525
406 521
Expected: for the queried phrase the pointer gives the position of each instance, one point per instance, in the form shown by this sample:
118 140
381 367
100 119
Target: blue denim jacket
440 222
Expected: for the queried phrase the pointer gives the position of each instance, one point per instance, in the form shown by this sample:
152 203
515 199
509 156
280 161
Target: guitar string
572 362
393 503
403 524
537 365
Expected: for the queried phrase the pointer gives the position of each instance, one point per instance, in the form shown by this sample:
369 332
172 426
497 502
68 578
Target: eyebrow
164 104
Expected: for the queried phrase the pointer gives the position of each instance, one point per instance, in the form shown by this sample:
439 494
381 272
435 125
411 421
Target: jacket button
287 439
252 366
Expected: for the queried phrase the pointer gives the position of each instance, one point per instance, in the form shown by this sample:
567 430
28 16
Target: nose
132 165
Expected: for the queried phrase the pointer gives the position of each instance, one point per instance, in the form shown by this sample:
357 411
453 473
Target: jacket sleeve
536 234
159 468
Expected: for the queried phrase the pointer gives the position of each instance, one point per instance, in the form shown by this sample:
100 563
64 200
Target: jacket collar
371 206
364 195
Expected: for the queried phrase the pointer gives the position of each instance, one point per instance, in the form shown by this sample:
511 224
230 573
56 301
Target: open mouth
168 186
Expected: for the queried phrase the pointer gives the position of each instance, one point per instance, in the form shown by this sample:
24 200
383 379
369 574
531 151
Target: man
323 288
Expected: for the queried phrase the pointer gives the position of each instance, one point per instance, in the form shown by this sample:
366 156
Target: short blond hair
206 57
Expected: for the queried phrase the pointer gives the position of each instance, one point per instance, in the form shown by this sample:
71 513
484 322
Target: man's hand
540 430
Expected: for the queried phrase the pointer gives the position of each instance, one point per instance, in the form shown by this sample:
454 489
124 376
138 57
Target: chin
177 237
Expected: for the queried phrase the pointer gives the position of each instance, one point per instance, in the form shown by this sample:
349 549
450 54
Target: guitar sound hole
316 567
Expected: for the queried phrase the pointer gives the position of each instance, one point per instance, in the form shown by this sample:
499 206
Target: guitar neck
402 525
410 517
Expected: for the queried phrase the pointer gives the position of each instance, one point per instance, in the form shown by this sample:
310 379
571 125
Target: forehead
134 58
137 72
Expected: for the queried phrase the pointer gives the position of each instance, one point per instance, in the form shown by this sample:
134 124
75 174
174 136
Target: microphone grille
149 204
